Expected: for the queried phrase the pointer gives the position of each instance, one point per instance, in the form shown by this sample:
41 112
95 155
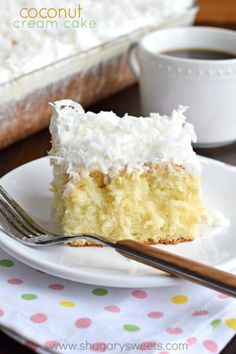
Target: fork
17 224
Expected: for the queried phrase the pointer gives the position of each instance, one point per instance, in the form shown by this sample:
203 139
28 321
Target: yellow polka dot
179 299
66 303
231 323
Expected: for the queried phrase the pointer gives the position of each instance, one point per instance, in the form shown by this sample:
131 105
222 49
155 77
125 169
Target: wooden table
212 12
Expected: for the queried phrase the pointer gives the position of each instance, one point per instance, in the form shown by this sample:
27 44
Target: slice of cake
128 177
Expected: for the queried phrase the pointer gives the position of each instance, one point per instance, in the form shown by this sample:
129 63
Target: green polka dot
100 292
29 296
6 263
131 328
216 323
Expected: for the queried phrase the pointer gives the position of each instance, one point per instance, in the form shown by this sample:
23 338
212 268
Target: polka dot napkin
59 316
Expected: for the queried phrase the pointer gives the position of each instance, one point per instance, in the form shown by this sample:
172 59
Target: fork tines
15 220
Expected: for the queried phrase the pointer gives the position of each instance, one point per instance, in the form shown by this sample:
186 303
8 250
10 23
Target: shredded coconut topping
85 141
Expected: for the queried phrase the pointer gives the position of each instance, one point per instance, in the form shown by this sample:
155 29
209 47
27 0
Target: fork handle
179 266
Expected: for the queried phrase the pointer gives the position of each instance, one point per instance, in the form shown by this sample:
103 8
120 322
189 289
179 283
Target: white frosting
24 50
87 141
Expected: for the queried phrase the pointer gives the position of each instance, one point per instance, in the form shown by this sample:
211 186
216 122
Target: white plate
29 185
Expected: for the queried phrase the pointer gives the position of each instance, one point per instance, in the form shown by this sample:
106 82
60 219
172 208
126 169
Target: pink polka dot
191 340
31 345
222 296
112 308
15 281
174 330
148 345
200 313
99 347
139 294
155 314
211 346
1 312
51 344
39 318
83 322
56 286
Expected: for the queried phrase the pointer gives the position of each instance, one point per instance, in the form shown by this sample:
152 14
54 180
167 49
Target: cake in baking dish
38 33
129 177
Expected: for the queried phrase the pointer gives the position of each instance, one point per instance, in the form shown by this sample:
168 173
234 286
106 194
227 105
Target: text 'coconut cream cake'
128 177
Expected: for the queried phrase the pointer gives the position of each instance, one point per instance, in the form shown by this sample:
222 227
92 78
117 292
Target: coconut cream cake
36 33
125 178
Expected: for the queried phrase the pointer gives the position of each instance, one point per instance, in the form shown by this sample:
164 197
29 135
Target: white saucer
29 185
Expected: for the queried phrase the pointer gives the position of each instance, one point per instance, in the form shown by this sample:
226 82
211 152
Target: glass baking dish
85 77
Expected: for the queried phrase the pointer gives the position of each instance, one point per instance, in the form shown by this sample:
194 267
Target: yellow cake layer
160 205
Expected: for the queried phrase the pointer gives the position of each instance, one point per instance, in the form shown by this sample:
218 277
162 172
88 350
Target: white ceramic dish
29 185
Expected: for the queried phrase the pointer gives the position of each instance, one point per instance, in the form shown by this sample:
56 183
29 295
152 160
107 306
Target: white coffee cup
207 87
